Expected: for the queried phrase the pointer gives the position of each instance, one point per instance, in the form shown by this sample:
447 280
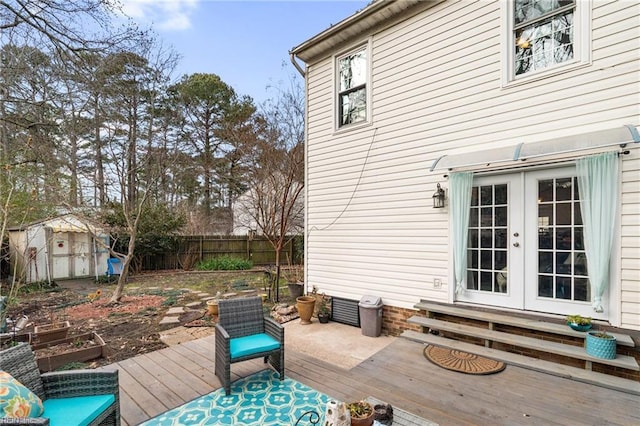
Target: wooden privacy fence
193 249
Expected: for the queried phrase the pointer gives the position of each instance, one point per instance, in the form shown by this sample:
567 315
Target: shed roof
65 223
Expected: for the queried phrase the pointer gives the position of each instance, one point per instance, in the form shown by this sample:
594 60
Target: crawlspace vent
345 311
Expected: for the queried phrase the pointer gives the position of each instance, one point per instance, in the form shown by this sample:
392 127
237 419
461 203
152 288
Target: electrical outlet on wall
437 283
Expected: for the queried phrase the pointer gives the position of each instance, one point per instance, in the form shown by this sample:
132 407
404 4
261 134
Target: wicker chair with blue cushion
74 397
242 333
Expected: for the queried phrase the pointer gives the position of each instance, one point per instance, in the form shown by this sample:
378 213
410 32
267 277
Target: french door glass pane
562 264
488 235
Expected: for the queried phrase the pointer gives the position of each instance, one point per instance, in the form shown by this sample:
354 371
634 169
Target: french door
526 245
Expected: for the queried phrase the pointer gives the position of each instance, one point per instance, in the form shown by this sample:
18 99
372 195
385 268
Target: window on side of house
352 71
546 35
543 33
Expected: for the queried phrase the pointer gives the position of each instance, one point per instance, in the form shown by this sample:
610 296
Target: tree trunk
98 153
278 250
124 275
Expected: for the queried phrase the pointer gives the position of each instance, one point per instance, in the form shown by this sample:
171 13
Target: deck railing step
573 373
526 323
571 351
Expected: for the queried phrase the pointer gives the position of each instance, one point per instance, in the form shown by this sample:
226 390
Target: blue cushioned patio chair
73 397
242 333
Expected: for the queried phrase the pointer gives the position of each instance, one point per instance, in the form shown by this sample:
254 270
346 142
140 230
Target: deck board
188 384
398 374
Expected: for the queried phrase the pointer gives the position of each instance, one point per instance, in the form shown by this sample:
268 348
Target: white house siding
437 89
630 241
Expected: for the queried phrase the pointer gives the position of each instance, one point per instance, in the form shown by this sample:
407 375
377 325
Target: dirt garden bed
131 327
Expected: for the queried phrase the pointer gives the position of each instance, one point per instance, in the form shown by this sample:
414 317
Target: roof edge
369 11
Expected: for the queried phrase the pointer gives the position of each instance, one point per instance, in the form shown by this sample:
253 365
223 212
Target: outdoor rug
462 362
259 399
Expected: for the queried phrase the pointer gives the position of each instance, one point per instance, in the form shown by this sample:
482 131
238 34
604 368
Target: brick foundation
394 320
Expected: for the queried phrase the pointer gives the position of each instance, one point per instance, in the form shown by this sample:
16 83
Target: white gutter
292 57
371 16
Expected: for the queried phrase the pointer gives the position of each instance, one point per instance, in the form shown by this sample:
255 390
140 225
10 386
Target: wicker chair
20 362
242 333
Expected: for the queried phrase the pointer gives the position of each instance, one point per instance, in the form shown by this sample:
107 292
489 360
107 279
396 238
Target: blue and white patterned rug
259 399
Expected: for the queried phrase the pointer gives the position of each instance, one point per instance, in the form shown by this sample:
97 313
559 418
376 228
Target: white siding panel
633 297
436 87
630 275
630 240
631 320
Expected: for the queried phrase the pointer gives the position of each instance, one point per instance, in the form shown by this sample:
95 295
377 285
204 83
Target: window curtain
460 189
598 190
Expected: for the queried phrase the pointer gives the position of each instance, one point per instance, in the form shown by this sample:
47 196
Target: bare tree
274 200
68 26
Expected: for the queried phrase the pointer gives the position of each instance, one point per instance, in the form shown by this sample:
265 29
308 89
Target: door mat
462 362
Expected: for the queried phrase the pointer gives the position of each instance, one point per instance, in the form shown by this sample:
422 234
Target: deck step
496 318
577 352
573 373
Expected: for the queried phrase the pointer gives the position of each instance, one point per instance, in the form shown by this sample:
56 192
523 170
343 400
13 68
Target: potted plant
600 344
295 282
361 413
295 289
578 322
324 311
212 305
305 306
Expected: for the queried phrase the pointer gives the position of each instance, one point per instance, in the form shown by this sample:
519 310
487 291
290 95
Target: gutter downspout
292 57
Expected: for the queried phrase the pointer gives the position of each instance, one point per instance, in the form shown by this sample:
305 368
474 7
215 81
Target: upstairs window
546 35
352 73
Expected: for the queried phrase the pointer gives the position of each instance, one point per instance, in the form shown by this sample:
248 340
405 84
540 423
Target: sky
246 43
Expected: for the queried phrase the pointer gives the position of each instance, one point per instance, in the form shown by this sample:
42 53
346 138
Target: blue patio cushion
76 411
253 344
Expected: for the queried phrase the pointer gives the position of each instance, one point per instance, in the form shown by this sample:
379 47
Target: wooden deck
399 374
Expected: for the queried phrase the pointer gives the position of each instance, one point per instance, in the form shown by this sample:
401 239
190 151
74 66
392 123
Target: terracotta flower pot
305 306
212 307
363 421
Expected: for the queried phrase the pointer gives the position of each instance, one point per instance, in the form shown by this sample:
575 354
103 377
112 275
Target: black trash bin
370 315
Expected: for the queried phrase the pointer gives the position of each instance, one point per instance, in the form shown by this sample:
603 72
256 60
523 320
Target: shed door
81 254
60 255
71 255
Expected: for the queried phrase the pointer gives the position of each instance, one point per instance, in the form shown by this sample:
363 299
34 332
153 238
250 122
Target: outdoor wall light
438 198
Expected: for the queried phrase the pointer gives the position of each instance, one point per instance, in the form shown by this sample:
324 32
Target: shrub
224 263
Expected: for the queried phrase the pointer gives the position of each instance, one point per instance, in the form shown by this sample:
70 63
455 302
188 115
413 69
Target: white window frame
581 48
366 45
